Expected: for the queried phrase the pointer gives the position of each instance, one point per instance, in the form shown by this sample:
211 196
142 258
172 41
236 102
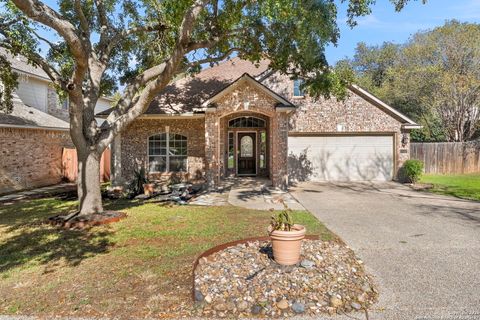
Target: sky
384 24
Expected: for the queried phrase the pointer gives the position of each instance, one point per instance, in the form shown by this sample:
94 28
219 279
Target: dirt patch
86 221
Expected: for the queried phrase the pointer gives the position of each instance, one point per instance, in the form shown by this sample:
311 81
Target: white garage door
340 158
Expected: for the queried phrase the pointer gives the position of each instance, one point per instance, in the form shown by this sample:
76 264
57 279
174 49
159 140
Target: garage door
340 158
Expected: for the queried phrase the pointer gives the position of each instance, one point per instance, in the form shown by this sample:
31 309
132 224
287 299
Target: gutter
15 126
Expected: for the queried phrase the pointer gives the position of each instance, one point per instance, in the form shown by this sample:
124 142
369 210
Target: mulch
87 221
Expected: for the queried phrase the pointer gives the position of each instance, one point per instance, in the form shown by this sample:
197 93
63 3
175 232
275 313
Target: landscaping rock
282 304
335 302
298 307
199 296
305 263
256 309
243 279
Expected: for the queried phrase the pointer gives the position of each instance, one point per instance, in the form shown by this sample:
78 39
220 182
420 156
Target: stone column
211 149
279 171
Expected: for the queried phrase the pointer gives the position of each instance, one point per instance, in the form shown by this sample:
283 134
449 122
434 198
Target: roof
281 101
20 63
29 117
187 94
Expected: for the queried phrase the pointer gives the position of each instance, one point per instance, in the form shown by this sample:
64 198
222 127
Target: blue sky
384 24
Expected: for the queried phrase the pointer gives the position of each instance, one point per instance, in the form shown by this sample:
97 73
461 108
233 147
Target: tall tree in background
101 38
434 78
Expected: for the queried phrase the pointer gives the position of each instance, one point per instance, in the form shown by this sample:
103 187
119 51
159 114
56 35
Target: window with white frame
297 88
167 152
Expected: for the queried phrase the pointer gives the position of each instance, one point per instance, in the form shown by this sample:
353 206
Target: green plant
139 179
413 170
283 220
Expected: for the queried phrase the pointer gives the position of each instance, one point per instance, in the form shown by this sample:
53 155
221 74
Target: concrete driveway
423 249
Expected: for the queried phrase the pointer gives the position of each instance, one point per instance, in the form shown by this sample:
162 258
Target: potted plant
286 238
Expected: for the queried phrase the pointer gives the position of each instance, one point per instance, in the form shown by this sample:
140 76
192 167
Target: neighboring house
241 119
33 136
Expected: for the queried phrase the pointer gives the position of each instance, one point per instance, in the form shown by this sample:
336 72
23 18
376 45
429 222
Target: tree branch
81 16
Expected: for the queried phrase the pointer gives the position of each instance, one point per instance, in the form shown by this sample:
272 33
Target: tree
433 78
101 38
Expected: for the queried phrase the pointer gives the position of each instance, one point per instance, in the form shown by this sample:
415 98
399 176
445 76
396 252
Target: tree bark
88 182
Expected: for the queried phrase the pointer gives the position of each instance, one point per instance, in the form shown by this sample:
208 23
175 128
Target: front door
246 153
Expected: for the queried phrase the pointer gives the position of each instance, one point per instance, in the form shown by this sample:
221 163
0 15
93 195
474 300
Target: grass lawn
140 266
465 186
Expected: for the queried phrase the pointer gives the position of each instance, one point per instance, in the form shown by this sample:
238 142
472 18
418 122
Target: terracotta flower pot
148 189
287 245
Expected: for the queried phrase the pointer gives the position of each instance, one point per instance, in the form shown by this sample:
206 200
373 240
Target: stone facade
232 105
208 136
355 115
54 105
26 163
134 147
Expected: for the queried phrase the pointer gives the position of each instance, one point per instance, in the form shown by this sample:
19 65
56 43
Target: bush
413 170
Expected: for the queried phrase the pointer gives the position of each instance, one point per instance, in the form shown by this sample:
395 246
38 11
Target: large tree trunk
88 182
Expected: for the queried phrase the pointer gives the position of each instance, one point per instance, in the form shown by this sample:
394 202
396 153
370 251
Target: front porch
246 134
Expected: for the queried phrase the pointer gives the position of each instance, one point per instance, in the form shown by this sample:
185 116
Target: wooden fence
70 165
447 157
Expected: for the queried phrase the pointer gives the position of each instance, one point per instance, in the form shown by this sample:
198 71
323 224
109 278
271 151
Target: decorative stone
356 306
298 307
282 304
244 279
242 305
335 302
199 296
256 309
305 263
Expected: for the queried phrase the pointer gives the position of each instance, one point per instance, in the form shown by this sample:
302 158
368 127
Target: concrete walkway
39 192
423 249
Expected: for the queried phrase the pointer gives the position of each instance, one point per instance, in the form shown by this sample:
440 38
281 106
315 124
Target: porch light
404 139
246 104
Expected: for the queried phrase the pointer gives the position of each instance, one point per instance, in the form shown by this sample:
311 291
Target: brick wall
54 105
134 144
261 105
355 115
31 158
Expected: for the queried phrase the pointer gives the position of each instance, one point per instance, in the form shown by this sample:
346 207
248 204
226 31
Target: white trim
167 156
163 116
33 127
384 105
256 154
412 126
241 80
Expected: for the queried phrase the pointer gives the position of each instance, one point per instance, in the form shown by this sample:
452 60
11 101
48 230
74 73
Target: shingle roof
23 115
187 94
21 64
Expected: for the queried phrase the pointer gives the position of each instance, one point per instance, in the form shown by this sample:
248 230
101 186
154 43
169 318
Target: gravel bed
244 280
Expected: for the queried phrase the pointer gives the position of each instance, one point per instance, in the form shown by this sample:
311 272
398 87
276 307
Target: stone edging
231 244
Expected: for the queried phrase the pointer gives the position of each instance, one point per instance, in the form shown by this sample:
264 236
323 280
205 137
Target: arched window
167 152
246 122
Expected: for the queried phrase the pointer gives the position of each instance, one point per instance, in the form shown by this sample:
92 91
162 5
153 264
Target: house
242 119
34 135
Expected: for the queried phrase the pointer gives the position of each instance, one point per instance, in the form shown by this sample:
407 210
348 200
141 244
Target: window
263 149
246 122
231 151
246 147
167 152
297 88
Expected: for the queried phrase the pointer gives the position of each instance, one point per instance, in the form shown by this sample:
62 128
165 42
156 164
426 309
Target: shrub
283 220
413 170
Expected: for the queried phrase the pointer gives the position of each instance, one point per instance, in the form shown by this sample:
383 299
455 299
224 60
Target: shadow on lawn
26 241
